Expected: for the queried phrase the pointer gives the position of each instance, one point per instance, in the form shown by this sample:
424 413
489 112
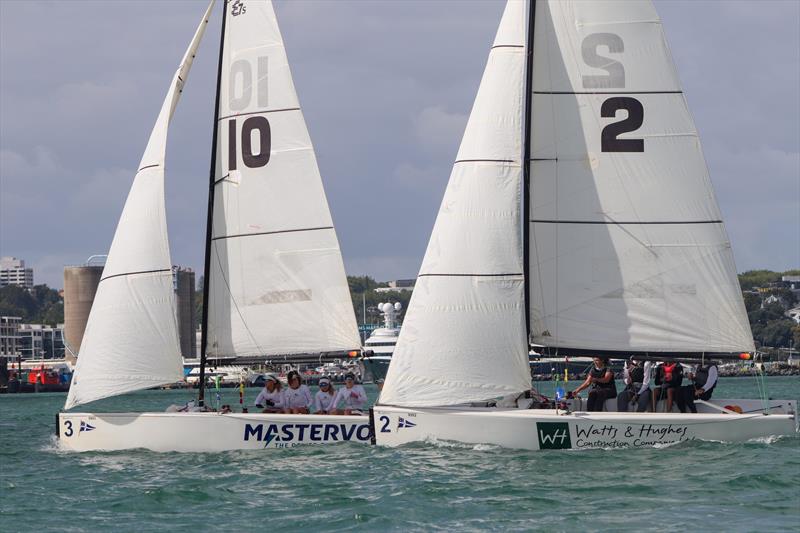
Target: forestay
463 337
131 338
277 281
627 247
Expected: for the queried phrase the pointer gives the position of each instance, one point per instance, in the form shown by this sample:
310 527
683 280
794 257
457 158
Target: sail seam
508 46
148 166
470 275
134 273
259 112
483 161
655 222
269 232
608 92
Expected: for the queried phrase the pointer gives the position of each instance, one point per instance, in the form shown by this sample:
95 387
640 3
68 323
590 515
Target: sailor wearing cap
323 400
353 396
270 399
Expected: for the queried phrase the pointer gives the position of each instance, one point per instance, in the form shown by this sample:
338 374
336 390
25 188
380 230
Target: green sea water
695 486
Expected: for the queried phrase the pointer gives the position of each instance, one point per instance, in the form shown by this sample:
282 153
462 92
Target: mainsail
464 334
277 284
131 338
627 246
627 252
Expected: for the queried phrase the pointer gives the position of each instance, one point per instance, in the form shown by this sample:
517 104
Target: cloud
385 87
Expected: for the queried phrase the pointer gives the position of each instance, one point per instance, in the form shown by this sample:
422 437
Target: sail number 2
613 79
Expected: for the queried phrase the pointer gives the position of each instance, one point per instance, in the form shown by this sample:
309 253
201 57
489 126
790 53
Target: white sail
463 337
277 281
627 247
131 338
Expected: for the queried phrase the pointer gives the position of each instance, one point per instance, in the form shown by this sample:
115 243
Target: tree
778 333
752 301
757 278
796 336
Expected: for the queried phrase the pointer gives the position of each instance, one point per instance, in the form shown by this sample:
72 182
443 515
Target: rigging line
210 215
264 112
138 272
222 237
631 235
223 178
235 304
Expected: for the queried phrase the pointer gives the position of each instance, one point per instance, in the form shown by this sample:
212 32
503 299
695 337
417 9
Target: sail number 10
249 126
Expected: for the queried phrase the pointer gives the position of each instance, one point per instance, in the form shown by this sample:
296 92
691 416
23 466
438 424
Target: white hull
535 429
204 432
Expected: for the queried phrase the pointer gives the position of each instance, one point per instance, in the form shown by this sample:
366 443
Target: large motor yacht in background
378 348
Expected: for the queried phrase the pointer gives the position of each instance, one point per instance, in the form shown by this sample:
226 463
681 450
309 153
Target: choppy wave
440 485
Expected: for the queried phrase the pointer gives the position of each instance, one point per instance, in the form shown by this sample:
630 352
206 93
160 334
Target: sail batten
276 278
131 338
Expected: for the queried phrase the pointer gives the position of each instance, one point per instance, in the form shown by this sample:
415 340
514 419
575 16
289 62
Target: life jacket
701 377
670 374
599 373
636 374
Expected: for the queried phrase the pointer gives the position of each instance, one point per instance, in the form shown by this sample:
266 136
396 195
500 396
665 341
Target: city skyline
386 89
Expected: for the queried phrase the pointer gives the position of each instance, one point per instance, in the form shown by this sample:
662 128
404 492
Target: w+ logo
553 435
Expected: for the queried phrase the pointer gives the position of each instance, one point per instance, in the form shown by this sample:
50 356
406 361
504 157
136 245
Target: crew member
323 400
637 386
270 399
297 397
704 379
352 395
601 379
669 376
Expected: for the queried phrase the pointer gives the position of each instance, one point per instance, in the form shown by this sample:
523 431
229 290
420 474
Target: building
13 272
80 286
38 341
9 335
398 285
183 284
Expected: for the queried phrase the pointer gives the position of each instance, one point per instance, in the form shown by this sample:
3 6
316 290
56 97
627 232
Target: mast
526 169
210 217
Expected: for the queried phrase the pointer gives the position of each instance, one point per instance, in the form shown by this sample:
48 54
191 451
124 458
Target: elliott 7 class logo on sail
238 8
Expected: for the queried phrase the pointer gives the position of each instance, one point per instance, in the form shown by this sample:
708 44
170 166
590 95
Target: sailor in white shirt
323 400
704 379
353 396
297 397
637 386
270 399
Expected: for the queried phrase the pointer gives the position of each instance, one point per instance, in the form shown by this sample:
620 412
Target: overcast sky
385 88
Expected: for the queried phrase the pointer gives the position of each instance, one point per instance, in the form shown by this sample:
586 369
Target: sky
386 88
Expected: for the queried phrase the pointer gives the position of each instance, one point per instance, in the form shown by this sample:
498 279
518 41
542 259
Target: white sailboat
275 283
579 216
